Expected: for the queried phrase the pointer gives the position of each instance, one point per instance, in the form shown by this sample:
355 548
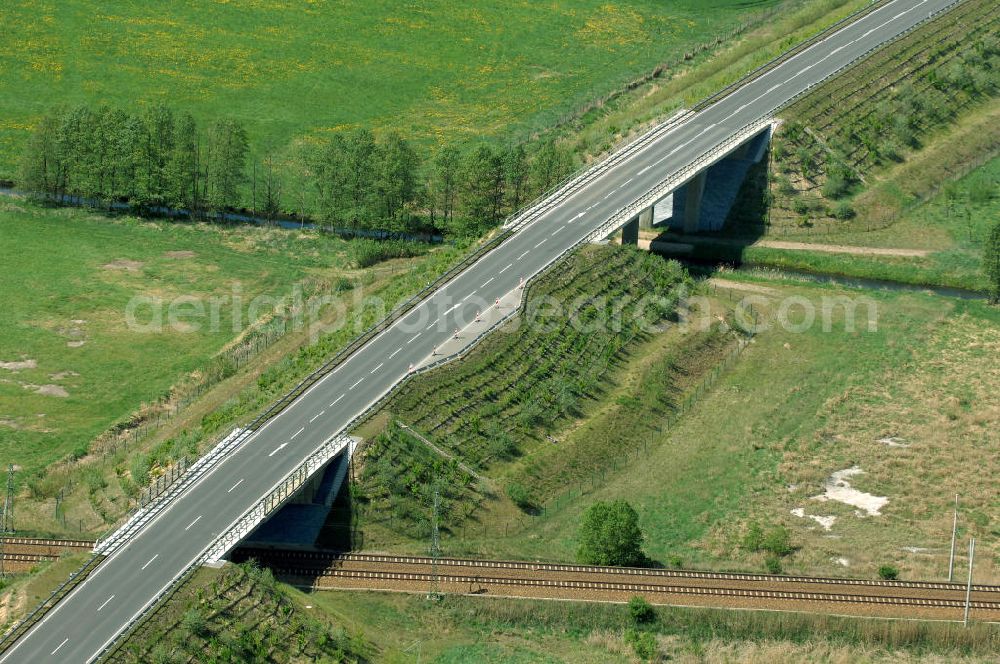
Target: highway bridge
222 500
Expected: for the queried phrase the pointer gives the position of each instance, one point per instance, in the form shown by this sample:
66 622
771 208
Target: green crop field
439 71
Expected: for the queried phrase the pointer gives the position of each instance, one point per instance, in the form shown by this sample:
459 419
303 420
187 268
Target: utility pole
954 532
7 524
968 586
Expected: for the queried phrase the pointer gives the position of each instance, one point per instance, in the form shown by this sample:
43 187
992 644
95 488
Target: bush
640 611
800 206
843 211
773 565
888 572
643 643
520 495
778 541
753 540
366 252
194 622
610 535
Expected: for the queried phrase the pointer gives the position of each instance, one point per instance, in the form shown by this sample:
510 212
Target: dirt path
843 249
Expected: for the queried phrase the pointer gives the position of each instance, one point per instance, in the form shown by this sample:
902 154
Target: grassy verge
461 629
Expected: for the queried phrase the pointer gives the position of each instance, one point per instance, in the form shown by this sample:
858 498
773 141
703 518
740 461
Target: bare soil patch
737 285
75 344
49 390
184 253
843 249
18 365
123 264
63 374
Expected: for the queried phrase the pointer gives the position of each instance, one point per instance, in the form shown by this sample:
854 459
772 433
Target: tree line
158 158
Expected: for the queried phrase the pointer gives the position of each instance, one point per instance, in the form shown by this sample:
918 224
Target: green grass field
74 364
441 72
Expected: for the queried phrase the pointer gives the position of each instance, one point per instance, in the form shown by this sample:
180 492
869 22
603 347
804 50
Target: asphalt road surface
93 614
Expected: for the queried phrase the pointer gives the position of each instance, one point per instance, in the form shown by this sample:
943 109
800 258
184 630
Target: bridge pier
646 218
630 231
692 202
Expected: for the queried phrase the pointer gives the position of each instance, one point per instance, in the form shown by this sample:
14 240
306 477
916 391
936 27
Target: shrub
753 540
773 565
194 622
520 495
888 572
610 535
843 211
778 541
366 252
799 206
643 643
640 611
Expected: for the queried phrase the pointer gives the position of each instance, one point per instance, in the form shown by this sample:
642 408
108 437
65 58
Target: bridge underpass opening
705 200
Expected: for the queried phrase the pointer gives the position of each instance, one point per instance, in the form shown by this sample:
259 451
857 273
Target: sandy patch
737 285
123 264
180 254
839 489
49 390
63 374
75 344
843 562
10 424
18 365
843 249
825 521
892 441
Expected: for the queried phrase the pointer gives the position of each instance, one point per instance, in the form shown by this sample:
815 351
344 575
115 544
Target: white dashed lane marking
150 562
105 603
297 433
334 402
233 487
195 521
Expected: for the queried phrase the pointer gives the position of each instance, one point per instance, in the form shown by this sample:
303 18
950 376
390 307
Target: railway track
21 554
921 599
